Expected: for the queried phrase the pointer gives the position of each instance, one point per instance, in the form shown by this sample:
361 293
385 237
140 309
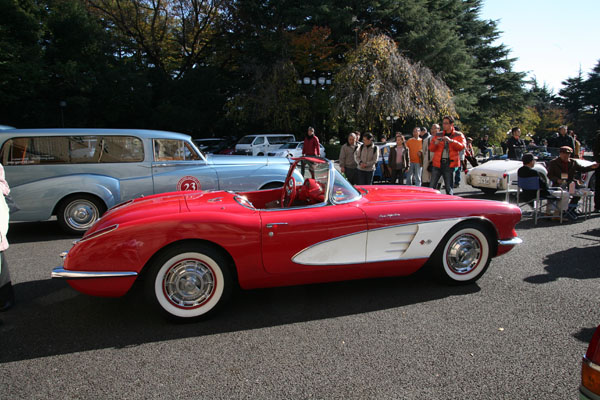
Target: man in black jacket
527 171
515 144
563 139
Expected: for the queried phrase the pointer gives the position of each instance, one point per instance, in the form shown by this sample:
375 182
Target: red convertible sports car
191 249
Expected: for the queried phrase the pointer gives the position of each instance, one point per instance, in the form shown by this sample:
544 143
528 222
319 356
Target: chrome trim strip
99 233
591 364
510 242
61 273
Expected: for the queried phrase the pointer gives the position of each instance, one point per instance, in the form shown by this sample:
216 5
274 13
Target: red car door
313 238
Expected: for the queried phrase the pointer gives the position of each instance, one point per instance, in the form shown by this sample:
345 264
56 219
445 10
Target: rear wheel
463 255
188 282
77 213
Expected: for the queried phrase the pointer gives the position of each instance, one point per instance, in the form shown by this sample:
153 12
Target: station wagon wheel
189 282
77 213
463 255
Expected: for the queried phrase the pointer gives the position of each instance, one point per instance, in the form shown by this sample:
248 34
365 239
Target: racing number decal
189 183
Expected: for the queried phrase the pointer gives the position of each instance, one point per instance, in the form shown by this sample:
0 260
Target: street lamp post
392 119
62 104
322 82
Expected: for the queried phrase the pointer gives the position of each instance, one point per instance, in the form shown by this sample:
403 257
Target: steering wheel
288 193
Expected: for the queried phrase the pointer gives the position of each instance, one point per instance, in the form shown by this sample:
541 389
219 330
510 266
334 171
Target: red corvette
192 248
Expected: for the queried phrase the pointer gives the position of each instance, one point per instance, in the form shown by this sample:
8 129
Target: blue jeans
365 177
414 170
457 176
486 152
445 171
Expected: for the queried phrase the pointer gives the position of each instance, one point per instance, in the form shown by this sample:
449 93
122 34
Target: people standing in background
310 147
484 147
7 295
446 158
515 145
399 160
347 162
562 139
415 150
427 155
470 154
597 159
577 149
366 156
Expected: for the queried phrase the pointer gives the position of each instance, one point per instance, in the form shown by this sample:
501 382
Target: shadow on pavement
50 318
585 334
28 232
574 263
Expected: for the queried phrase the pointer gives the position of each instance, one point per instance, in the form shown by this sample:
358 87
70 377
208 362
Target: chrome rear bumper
61 273
510 242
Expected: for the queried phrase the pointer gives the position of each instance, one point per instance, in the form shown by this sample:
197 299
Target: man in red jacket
446 147
310 147
311 143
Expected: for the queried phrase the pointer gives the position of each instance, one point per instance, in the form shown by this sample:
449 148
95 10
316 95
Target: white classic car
292 149
500 174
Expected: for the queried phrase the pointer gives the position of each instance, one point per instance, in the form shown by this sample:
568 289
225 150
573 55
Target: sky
552 39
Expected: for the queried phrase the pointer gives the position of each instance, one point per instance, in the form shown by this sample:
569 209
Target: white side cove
399 242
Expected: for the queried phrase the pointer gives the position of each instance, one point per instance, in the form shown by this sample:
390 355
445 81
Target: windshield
343 191
246 140
319 172
289 146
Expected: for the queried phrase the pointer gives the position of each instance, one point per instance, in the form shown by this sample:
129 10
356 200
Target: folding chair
532 184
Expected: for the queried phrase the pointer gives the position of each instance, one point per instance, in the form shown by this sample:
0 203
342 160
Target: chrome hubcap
464 254
81 214
189 283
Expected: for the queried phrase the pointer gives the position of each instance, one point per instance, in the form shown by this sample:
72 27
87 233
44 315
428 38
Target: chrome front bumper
61 273
510 242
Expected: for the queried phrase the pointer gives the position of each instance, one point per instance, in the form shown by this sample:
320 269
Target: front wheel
188 282
463 255
77 213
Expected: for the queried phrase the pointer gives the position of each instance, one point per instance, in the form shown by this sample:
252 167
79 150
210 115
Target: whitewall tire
464 254
188 282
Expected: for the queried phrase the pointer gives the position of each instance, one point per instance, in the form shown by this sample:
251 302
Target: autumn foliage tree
377 81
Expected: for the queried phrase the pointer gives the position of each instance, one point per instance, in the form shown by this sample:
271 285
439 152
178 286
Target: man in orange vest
446 147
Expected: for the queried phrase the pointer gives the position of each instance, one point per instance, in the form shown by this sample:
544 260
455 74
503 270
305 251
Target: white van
260 145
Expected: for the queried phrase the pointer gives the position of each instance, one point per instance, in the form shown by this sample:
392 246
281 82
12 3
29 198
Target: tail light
590 368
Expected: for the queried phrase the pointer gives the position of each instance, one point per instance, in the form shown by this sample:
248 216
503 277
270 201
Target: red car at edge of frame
191 249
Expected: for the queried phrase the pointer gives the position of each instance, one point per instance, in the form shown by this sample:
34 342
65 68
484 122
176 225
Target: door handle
272 224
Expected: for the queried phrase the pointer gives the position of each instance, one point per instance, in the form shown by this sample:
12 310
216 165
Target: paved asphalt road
519 333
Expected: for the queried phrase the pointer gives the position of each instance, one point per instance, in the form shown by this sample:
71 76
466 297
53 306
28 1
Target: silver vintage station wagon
77 174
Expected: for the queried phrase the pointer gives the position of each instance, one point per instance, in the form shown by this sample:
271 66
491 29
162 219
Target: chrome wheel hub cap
189 283
464 254
81 214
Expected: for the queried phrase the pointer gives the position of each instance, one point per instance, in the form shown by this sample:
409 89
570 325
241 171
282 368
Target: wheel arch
192 242
490 229
80 194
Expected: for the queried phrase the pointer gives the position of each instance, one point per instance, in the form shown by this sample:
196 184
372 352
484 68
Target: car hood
140 209
392 193
221 159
